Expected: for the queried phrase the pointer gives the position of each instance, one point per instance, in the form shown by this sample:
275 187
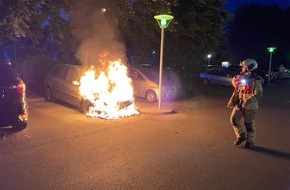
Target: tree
196 29
200 28
143 32
15 18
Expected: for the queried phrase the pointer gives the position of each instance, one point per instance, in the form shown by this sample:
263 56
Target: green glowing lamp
163 20
271 49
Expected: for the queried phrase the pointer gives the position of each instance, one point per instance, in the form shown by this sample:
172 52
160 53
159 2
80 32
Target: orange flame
111 94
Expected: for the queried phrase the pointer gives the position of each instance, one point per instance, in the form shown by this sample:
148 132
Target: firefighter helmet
250 64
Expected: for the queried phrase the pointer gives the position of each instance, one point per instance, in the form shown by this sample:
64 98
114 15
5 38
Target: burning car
106 95
62 83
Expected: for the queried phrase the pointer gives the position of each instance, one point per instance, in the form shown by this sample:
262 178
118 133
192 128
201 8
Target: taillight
23 117
21 88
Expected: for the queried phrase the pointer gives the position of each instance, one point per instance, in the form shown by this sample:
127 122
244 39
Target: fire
110 94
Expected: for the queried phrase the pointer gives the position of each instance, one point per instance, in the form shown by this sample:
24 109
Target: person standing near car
244 103
281 71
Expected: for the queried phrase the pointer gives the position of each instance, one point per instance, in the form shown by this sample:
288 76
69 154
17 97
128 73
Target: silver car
146 84
62 83
220 76
217 76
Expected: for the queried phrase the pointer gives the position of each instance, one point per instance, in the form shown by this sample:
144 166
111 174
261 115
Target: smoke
97 34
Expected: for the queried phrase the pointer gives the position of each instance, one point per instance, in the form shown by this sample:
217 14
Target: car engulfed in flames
110 94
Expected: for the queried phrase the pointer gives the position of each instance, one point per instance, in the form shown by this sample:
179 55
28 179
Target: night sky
232 5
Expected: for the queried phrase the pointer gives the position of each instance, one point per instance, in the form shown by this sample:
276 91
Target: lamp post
208 59
163 21
270 50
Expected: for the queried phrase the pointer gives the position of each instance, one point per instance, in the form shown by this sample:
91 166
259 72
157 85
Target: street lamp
270 50
163 21
208 59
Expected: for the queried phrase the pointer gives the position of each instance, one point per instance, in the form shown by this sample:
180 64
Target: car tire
85 106
19 126
205 81
48 95
151 96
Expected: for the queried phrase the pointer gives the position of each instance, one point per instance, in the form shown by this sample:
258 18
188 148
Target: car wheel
151 96
85 106
48 96
19 126
205 81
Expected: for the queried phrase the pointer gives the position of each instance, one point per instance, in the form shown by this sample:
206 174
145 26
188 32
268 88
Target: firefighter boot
240 139
249 145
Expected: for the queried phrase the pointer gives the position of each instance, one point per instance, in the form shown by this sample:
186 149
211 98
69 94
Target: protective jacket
248 91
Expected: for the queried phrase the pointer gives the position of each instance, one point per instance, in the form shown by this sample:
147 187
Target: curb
157 111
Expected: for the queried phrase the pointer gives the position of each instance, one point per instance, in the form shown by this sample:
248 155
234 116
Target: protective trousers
243 122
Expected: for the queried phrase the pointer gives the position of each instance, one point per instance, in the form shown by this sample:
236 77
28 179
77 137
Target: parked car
62 83
262 74
13 102
146 83
284 74
218 76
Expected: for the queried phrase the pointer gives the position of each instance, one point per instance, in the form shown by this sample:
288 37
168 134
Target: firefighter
244 103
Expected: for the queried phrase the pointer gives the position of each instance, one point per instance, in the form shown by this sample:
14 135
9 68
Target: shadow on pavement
271 152
7 131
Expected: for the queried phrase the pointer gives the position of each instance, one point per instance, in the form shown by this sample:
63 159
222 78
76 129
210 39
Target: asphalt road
190 149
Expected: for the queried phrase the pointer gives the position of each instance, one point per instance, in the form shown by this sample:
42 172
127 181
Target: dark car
62 83
13 102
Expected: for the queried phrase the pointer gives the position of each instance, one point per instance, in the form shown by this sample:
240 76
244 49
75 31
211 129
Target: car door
71 93
213 77
56 81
